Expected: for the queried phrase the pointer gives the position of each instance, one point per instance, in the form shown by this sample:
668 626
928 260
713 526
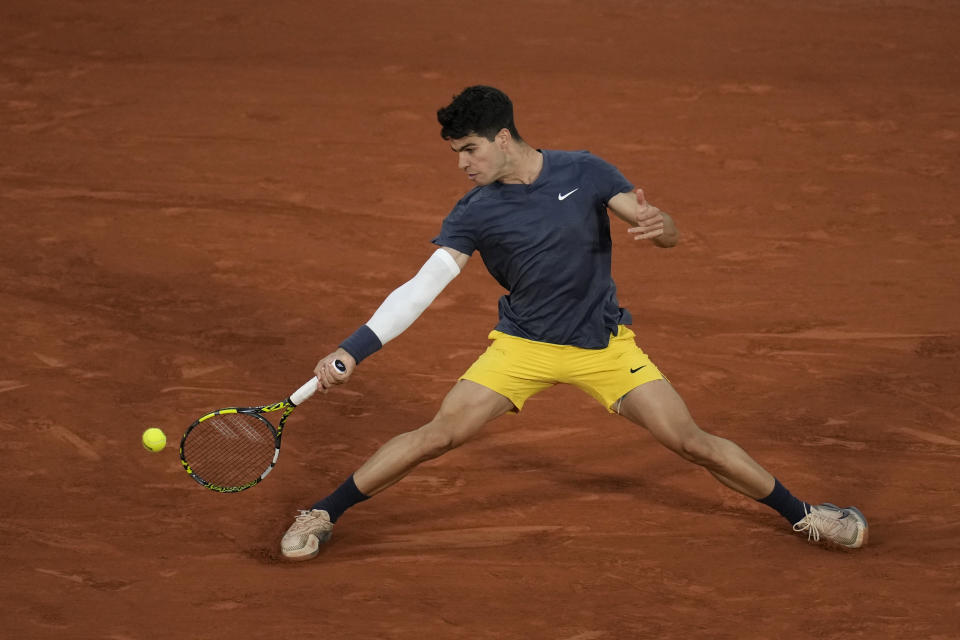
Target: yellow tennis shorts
518 368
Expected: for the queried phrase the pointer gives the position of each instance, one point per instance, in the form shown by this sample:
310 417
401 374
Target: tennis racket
230 450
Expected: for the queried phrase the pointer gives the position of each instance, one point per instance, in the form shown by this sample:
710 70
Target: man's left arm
647 222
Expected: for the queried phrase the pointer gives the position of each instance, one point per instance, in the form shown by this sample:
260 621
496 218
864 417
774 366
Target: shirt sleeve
456 233
607 178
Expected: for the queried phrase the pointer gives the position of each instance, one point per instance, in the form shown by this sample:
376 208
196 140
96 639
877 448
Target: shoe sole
866 527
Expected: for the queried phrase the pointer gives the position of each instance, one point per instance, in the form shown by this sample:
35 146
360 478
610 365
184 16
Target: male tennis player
539 220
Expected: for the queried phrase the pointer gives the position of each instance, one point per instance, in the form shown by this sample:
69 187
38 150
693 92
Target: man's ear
503 138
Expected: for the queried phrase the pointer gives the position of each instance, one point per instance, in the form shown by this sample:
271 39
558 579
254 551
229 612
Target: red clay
197 202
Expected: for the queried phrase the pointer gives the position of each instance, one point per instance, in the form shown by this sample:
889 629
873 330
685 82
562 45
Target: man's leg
659 408
464 411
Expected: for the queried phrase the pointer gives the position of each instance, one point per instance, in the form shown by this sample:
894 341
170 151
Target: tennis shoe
828 522
302 540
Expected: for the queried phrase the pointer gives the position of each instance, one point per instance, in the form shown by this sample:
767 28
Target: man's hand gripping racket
233 449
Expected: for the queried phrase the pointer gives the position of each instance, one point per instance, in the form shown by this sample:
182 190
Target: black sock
785 504
342 499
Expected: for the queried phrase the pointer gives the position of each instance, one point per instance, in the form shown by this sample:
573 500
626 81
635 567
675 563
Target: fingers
646 232
650 223
649 215
333 370
323 381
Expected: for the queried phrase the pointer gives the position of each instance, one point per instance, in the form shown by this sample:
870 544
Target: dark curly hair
478 110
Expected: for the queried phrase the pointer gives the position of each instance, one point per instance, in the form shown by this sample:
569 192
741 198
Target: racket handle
310 387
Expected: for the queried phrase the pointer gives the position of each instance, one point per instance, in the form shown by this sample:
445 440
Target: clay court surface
199 200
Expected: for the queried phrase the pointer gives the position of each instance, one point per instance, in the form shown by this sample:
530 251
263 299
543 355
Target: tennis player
540 221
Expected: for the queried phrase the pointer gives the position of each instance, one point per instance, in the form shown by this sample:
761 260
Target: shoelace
815 524
301 520
813 533
296 536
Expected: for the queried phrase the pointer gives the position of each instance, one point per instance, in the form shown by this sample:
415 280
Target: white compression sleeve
409 300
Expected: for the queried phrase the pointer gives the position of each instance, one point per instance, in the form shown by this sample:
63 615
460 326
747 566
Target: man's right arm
397 312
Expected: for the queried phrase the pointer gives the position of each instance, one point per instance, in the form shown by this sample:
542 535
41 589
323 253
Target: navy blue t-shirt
548 244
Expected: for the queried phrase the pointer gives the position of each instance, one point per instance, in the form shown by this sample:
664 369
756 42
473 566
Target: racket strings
231 449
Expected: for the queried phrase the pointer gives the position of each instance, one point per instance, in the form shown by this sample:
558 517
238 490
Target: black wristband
362 343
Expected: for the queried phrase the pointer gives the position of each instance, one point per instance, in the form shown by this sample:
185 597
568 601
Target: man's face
482 160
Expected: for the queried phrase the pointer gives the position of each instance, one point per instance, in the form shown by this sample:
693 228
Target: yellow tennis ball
154 439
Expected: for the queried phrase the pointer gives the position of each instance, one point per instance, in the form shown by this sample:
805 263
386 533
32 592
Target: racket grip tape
310 386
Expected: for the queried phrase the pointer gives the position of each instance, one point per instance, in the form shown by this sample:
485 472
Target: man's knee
696 448
707 450
448 430
435 439
690 442
462 414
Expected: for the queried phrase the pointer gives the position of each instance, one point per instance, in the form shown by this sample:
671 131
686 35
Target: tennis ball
154 439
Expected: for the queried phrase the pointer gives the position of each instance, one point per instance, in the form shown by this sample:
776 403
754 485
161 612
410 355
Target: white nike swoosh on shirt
567 194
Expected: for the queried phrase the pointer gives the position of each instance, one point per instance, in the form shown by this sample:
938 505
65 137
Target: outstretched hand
328 375
650 220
